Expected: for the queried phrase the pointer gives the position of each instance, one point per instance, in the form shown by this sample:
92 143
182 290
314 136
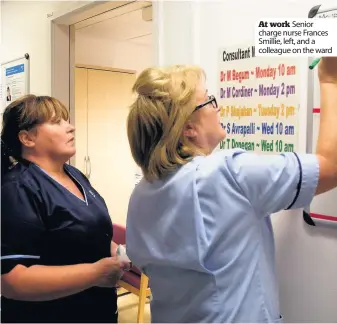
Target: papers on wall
14 80
259 100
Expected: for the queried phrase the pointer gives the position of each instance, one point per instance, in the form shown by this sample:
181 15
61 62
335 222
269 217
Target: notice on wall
259 100
14 80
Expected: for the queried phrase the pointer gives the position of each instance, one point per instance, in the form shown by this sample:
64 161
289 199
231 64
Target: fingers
124 266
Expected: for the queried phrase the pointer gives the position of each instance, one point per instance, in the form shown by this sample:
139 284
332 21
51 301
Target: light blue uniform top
205 239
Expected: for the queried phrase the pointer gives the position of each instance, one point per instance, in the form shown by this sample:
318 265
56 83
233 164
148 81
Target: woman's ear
27 139
189 130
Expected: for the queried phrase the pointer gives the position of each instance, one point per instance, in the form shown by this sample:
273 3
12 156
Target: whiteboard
259 100
14 80
323 209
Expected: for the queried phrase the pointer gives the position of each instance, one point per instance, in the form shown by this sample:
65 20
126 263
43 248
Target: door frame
63 28
104 68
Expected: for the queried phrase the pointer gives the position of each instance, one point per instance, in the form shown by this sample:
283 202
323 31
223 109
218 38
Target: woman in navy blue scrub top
57 259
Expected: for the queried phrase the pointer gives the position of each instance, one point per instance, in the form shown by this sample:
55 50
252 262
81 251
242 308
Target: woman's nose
71 128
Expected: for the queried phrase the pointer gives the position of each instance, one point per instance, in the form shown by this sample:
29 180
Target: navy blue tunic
43 223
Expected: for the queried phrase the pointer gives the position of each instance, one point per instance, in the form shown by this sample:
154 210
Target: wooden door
81 118
111 164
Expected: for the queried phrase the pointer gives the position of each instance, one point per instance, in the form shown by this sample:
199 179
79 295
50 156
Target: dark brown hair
25 114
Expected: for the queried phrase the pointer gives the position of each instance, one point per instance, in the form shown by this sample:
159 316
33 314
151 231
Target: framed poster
14 80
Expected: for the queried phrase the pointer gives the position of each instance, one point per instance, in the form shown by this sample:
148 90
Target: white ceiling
125 27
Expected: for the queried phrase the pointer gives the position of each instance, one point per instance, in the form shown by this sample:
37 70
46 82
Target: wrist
94 273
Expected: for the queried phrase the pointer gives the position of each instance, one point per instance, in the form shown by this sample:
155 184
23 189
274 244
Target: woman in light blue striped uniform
198 223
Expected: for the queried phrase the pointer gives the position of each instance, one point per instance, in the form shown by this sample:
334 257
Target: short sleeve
22 230
275 182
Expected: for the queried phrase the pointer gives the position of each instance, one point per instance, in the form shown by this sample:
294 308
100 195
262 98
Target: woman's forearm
42 283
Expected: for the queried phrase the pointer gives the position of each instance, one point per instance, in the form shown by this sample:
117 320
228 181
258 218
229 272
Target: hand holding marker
312 13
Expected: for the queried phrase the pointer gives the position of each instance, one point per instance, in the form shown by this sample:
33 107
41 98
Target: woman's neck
52 167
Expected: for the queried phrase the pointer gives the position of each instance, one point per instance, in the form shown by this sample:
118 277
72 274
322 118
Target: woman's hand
109 271
126 263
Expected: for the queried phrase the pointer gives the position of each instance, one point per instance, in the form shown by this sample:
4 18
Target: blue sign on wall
15 69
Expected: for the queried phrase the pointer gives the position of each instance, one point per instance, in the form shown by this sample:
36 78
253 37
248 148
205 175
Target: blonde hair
165 99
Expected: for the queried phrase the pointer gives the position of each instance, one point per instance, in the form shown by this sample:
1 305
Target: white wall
111 53
176 33
26 29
